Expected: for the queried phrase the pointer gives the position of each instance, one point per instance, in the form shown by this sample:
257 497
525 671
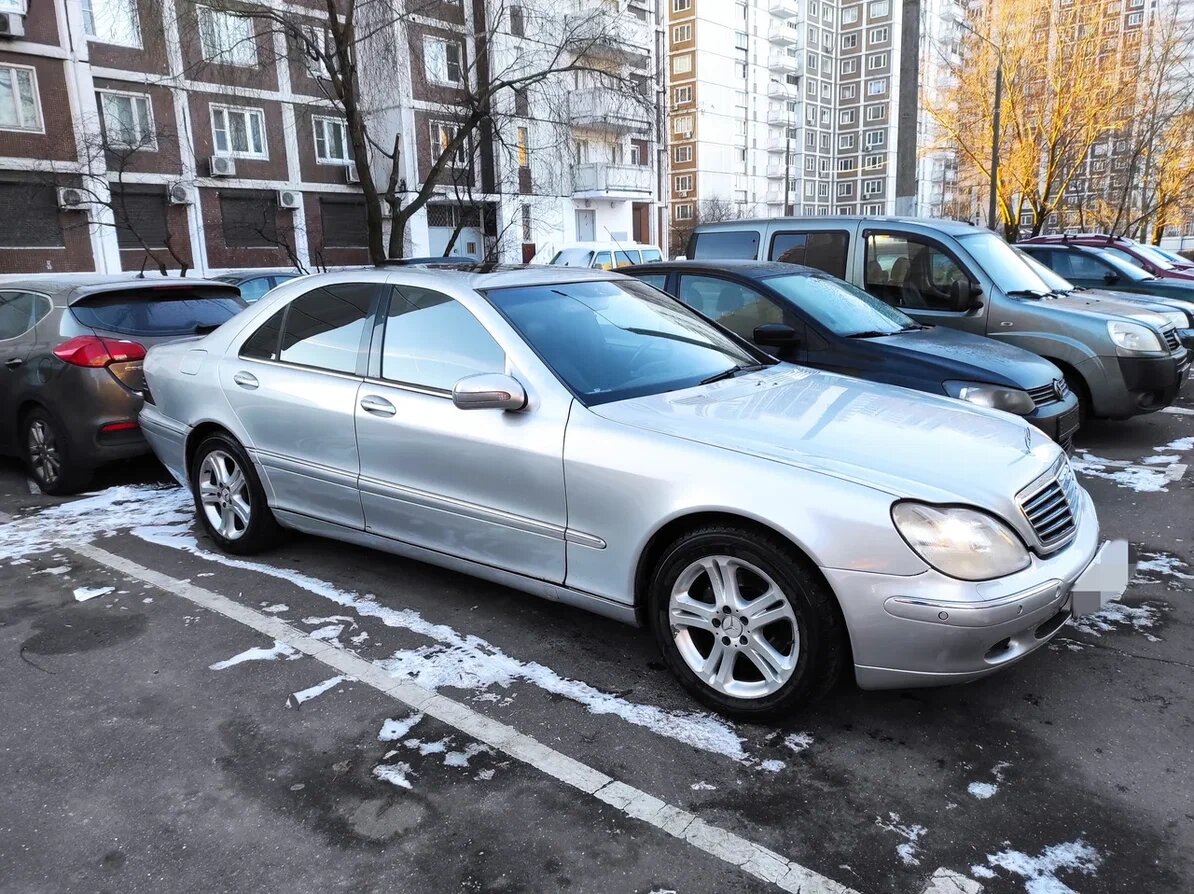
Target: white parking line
751 858
1178 411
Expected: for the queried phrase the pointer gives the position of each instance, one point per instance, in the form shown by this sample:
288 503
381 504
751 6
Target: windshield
610 340
1009 270
1174 258
1054 280
840 307
1125 269
1147 251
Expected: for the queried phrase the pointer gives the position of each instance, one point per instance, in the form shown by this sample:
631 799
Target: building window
850 15
845 141
238 132
682 124
845 165
682 95
684 212
526 223
442 134
875 138
226 39
249 218
875 113
127 120
332 146
20 108
683 184
849 66
847 116
343 221
849 41
874 162
872 187
682 33
879 35
682 64
443 61
112 21
517 21
523 154
681 5
878 60
878 9
845 190
876 87
682 155
38 225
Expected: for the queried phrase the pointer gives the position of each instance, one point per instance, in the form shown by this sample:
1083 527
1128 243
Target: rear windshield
149 312
725 245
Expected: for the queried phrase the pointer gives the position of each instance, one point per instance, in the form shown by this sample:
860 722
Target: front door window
911 272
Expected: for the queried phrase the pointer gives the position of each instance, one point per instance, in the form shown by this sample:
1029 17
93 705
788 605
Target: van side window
602 261
911 272
726 244
825 251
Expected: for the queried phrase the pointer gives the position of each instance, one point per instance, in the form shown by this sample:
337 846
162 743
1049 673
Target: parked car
1144 257
605 255
1120 359
255 283
1178 310
71 350
586 438
806 316
1177 260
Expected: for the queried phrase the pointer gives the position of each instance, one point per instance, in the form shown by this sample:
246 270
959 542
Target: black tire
262 531
823 644
49 456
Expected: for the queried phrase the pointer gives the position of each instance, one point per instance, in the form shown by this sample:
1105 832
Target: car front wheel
229 498
745 623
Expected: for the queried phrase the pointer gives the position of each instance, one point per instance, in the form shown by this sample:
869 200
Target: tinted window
651 255
726 244
736 306
908 271
252 289
263 344
1080 265
324 328
154 313
1124 256
573 257
611 340
1123 268
825 251
602 260
19 312
434 341
839 306
626 258
658 280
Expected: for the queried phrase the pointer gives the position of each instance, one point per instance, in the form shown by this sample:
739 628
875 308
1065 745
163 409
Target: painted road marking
1178 411
751 858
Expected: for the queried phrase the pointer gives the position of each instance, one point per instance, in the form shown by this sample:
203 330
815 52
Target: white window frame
22 125
851 14
321 123
682 183
849 66
878 9
444 42
682 33
877 61
872 187
876 138
682 64
685 151
684 211
682 125
248 112
845 141
681 5
463 154
145 128
241 52
682 95
127 15
847 116
879 35
880 83
849 41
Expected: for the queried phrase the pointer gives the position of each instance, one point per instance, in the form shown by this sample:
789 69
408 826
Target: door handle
378 406
14 363
246 380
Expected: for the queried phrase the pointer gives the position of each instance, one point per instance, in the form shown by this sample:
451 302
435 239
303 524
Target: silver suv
1120 358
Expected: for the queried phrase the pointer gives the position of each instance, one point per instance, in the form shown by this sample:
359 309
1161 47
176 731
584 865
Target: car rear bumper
99 415
168 439
932 630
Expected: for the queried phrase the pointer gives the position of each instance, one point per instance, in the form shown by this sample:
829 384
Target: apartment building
137 134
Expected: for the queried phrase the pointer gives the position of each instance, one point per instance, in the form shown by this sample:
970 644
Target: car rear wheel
229 498
48 455
745 623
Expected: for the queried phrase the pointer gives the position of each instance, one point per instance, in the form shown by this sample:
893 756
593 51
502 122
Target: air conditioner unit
289 198
222 166
71 199
682 193
180 194
350 173
12 24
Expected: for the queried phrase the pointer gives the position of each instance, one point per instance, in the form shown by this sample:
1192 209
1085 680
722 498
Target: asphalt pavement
175 720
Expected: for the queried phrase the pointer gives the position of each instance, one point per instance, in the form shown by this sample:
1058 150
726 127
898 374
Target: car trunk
151 314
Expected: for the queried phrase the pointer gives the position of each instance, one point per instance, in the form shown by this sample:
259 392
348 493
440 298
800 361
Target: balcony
604 33
784 62
778 142
781 116
602 108
776 196
785 9
775 171
777 89
782 34
610 181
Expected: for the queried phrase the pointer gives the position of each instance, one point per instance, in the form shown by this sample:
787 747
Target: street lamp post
993 202
788 125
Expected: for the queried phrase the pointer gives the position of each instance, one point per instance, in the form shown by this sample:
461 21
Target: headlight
1011 400
1134 338
963 543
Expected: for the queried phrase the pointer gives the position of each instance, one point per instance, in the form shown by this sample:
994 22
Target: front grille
1171 339
1052 393
1050 507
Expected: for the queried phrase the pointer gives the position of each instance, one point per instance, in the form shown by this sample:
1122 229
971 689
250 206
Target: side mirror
1110 277
489 391
774 335
964 295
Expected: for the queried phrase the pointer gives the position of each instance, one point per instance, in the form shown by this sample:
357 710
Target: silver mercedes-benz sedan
583 437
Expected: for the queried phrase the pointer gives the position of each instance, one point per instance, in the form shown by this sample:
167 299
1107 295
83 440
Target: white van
605 255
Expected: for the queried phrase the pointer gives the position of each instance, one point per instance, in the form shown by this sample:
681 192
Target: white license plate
1103 581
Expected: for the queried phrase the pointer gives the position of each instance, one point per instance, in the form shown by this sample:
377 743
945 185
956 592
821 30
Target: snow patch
982 790
1115 615
1181 445
57 569
394 730
82 594
327 633
461 758
1161 563
1143 480
910 832
1040 872
274 609
297 698
772 766
395 774
799 742
703 787
258 653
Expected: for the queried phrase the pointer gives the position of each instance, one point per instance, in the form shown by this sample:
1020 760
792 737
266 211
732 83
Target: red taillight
118 426
96 352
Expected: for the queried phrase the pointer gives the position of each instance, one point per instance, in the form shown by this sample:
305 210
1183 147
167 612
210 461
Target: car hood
904 442
969 357
1105 304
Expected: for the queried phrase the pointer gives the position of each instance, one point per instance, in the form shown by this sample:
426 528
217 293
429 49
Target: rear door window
20 312
325 327
825 251
252 289
726 245
156 312
263 344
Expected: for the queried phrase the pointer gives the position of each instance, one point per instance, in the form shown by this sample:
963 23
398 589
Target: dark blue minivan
803 315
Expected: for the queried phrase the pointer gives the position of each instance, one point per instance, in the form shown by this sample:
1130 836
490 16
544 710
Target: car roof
945 226
752 269
240 275
475 277
74 286
609 245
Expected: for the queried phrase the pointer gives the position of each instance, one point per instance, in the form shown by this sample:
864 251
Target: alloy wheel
43 452
224 492
734 627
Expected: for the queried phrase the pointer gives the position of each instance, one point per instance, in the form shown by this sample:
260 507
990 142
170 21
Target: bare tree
709 210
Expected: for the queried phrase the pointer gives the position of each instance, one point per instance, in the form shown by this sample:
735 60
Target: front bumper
931 629
1154 383
1059 420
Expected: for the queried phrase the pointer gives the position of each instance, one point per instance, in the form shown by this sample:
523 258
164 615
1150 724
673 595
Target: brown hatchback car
71 350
